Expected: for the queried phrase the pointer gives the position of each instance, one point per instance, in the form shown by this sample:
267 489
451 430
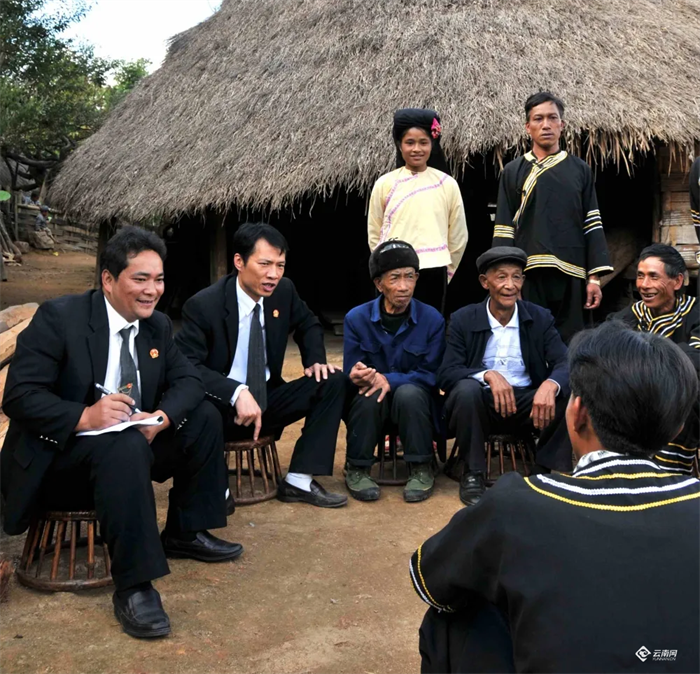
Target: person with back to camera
591 572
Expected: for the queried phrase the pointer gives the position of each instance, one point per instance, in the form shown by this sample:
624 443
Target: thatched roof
271 100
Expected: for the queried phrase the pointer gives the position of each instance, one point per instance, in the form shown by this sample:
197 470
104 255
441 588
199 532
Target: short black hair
543 97
638 387
674 264
128 242
35 195
249 233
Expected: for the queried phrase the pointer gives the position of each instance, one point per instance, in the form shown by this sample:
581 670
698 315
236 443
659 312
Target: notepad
117 428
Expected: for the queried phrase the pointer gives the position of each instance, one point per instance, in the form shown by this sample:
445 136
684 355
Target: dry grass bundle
271 100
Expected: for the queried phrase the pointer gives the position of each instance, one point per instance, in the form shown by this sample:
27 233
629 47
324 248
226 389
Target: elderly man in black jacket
504 371
113 338
235 332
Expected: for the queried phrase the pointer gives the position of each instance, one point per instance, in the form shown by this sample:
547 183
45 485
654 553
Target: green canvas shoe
420 483
360 485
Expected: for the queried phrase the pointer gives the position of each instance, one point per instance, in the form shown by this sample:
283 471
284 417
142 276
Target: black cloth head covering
392 254
500 254
420 118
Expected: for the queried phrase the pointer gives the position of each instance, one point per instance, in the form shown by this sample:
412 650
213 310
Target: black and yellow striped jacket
586 569
682 326
550 210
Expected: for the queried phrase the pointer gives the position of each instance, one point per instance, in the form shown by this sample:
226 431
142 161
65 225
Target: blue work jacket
411 356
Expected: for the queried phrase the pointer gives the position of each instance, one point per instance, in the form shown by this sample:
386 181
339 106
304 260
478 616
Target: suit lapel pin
154 353
275 314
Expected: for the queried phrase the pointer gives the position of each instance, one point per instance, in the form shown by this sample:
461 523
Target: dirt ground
44 275
315 590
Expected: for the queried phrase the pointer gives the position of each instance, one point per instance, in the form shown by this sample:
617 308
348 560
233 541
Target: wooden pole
218 249
107 229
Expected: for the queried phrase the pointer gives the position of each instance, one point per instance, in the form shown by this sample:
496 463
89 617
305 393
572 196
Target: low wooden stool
263 480
393 470
41 542
523 446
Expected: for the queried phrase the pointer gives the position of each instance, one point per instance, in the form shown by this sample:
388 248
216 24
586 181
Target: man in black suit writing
114 337
236 333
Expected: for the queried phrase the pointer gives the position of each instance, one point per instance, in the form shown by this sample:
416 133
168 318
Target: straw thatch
270 100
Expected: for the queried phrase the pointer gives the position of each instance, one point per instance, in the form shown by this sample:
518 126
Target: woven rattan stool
47 537
510 444
262 481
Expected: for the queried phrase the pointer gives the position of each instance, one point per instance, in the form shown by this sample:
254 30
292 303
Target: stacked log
12 321
8 250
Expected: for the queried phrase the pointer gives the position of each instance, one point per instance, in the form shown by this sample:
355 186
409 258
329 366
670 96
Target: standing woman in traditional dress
421 204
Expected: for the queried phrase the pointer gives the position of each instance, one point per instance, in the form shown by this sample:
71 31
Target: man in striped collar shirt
547 206
667 311
593 572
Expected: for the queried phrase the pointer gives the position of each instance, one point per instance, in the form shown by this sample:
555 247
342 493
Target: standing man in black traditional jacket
235 332
594 572
667 311
114 338
504 370
547 206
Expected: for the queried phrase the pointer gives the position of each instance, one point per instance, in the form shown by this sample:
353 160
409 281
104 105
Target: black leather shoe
230 505
318 496
205 548
142 615
471 488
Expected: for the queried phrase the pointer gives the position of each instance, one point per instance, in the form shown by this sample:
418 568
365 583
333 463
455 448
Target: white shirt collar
494 323
245 301
117 322
594 456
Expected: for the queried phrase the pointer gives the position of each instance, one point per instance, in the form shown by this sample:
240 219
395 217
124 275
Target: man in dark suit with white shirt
235 332
114 337
504 371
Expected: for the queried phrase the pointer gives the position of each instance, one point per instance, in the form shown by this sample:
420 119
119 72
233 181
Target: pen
107 392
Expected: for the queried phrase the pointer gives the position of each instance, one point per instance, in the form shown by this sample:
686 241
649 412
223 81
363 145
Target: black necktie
256 361
128 380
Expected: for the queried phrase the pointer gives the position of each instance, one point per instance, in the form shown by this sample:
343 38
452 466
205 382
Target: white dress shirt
116 323
503 353
594 456
239 367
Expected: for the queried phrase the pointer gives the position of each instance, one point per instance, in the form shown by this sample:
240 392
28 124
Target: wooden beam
104 234
218 247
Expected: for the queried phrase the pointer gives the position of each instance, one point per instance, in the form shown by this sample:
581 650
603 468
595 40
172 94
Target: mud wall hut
282 109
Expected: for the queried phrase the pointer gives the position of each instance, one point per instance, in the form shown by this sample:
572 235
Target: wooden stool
512 443
390 458
41 541
264 479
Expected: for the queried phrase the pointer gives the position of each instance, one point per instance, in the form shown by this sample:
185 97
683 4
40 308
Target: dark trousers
321 403
563 295
474 639
431 288
408 407
472 417
119 467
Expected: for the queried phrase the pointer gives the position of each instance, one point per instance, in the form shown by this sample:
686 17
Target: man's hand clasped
369 381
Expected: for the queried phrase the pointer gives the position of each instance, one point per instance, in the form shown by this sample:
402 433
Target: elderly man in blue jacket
504 371
392 350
